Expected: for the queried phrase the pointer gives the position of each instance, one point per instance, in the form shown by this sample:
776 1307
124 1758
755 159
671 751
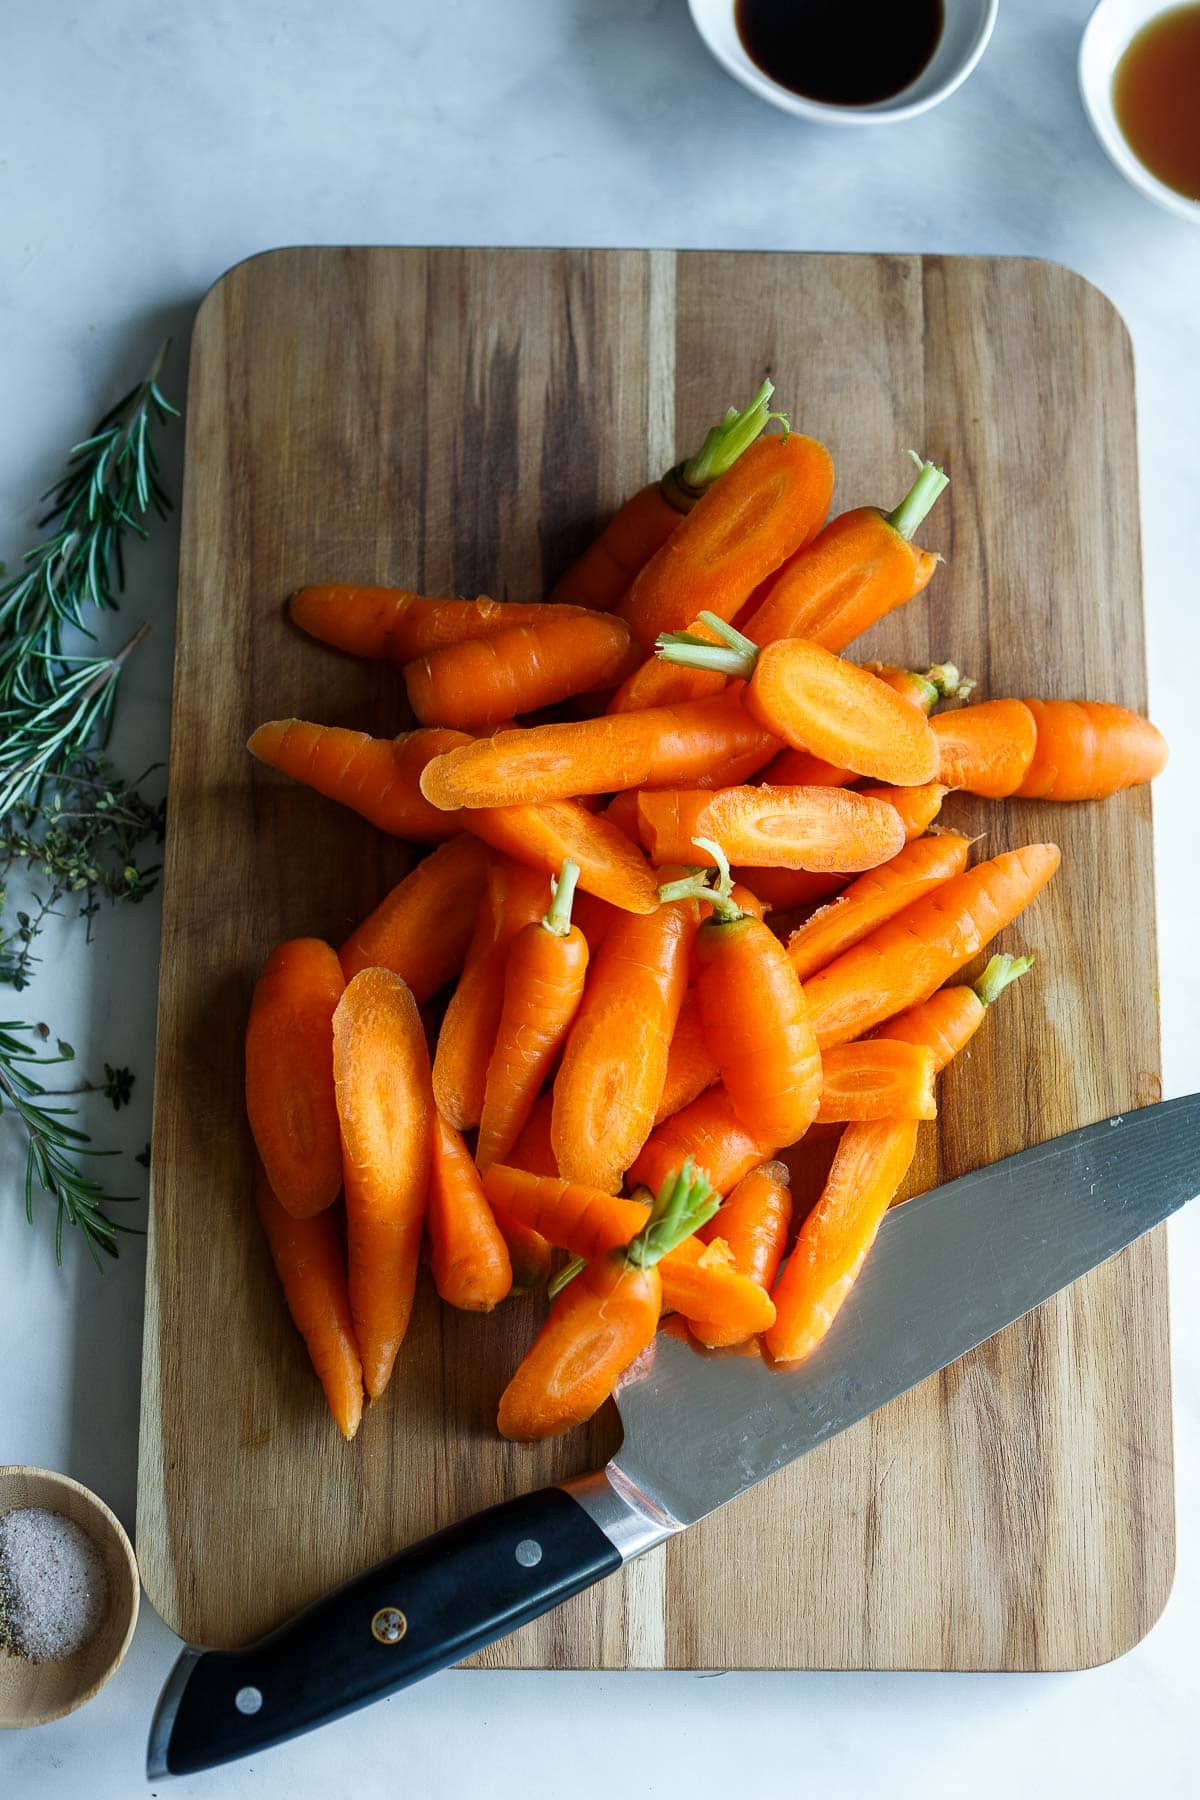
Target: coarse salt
53 1585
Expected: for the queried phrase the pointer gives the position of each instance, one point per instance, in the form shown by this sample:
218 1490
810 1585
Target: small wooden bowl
34 1693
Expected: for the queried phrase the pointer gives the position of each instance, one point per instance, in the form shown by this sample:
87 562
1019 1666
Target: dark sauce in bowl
1156 97
842 52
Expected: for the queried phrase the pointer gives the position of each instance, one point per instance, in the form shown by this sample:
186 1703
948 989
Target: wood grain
460 420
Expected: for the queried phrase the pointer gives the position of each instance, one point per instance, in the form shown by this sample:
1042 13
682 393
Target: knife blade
948 1270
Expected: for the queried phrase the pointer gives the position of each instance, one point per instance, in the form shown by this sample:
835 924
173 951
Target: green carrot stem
565 1276
930 482
732 654
1000 972
725 443
700 887
685 1201
948 682
557 918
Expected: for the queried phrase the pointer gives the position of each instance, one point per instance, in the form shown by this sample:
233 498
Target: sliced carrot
918 807
610 866
986 749
877 1080
467 1253
753 1223
876 896
380 778
394 625
289 1074
484 681
819 828
421 929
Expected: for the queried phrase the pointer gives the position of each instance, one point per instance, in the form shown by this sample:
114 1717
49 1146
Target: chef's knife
949 1268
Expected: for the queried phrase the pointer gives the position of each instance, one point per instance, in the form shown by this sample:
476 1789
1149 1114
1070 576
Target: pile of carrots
630 1037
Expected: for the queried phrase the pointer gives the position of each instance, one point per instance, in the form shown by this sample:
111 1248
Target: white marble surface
145 145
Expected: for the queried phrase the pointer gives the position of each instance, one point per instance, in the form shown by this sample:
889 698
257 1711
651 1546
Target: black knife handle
431 1606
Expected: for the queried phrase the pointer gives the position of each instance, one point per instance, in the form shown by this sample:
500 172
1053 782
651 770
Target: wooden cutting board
459 421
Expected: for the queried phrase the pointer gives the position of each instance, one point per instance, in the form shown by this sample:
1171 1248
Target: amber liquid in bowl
1156 98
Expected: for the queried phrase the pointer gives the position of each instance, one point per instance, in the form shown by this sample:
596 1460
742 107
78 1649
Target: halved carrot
1089 749
809 828
710 1132
482 681
986 749
421 929
394 625
380 778
467 1253
876 896
753 1223
307 1254
800 768
876 1080
289 1074
610 866
385 1106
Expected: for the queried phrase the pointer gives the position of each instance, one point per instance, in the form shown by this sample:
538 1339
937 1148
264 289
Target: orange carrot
754 1013
468 1255
622 811
875 897
601 1321
644 523
1088 749
784 890
903 961
709 1129
949 1019
876 1080
987 748
307 1255
610 867
543 985
614 1065
691 1065
392 625
868 1166
768 505
377 777
815 701
385 1105
534 1149
595 756
421 929
810 828
800 768
289 1075
515 896
753 1223
699 1280
918 807
483 681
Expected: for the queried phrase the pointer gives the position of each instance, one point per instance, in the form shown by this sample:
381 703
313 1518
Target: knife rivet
528 1553
248 1700
389 1625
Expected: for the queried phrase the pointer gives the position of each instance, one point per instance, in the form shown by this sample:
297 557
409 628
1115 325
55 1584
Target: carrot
468 1255
421 929
949 1019
610 867
691 1065
289 1075
614 1065
622 810
754 1222
783 890
699 1280
482 681
533 1149
644 523
815 701
918 807
810 828
986 749
875 897
515 896
603 1320
800 768
903 961
708 1130
377 777
307 1255
868 1166
393 625
1088 749
658 748
876 1080
754 1013
385 1106
543 985
769 504
861 566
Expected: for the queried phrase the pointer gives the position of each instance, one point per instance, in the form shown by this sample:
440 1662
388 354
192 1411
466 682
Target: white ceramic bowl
1105 40
968 26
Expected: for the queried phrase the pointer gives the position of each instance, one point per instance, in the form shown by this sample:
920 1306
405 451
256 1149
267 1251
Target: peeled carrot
385 1106
691 1065
754 1012
918 807
482 681
754 1222
533 1149
289 1075
986 749
903 961
1088 749
543 985
949 1019
467 1253
709 1131
420 931
810 828
393 625
377 777
622 810
875 897
307 1254
610 867
876 1080
614 1064
601 1321
657 748
800 768
784 890
814 700
769 504
514 897
644 523
868 1166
